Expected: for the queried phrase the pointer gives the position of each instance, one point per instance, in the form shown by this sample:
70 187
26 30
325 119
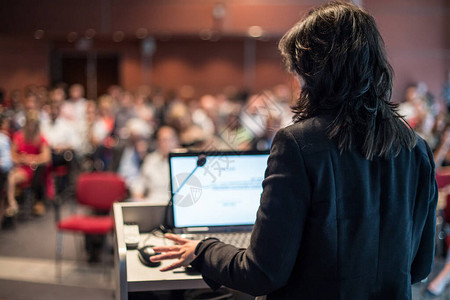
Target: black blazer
331 225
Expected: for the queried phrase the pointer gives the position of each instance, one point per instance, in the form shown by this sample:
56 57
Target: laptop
216 194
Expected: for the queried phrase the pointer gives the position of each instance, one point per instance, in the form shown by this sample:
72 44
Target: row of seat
97 191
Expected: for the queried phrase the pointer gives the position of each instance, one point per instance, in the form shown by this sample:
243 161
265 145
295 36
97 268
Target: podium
131 275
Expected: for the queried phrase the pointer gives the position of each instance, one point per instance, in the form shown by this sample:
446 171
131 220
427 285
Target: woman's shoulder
313 124
309 132
423 148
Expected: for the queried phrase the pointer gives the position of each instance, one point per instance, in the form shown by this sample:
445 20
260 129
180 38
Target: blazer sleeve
268 262
423 258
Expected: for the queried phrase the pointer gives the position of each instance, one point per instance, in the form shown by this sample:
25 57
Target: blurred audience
99 133
153 182
128 132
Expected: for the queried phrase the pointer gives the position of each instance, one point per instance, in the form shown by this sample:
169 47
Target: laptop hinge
197 229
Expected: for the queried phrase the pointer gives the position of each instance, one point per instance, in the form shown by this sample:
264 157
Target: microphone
201 161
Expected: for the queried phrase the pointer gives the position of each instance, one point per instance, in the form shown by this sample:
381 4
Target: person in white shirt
152 185
58 132
74 108
5 145
74 111
62 139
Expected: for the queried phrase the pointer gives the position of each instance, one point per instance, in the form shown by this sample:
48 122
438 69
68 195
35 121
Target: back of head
32 116
339 56
31 128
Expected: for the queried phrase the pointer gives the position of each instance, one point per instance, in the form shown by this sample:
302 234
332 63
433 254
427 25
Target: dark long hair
339 54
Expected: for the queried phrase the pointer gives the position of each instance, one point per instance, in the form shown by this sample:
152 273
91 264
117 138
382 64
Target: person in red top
29 150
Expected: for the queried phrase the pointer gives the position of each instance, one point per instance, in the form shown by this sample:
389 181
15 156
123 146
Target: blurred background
209 45
115 85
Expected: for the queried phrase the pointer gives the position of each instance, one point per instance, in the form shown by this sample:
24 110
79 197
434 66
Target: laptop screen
225 191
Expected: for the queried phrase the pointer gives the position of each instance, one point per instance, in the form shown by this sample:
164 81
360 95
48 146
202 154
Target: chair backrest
447 209
100 190
442 178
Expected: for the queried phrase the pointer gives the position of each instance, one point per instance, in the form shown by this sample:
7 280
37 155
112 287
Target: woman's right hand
183 251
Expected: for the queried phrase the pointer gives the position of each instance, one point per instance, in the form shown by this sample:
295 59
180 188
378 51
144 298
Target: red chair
443 217
98 191
443 182
443 178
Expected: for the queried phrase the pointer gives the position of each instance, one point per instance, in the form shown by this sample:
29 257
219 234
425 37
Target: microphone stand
201 161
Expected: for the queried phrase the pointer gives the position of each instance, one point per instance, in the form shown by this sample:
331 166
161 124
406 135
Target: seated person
128 156
5 159
29 150
62 139
153 181
59 133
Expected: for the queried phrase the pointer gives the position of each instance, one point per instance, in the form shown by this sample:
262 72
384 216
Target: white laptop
221 195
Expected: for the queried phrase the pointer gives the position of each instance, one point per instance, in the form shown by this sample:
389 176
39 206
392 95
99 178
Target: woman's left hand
184 252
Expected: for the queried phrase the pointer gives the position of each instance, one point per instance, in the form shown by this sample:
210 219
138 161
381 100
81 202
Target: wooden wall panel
23 62
416 32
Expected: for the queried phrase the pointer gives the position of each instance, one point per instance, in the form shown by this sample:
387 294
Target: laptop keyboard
237 239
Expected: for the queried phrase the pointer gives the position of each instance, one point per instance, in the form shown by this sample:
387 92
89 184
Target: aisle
27 264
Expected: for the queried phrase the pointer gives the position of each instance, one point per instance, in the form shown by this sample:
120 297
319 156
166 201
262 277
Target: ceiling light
255 31
90 33
72 36
205 34
118 36
141 33
39 34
